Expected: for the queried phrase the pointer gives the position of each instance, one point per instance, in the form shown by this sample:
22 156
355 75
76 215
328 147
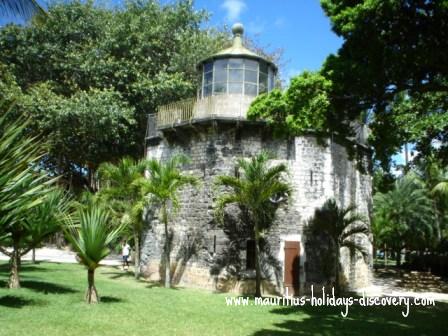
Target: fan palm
258 193
121 189
341 225
90 234
163 186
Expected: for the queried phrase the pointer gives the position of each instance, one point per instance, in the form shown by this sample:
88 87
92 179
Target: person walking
125 251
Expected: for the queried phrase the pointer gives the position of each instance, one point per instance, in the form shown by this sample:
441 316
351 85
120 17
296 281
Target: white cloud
256 27
279 22
234 9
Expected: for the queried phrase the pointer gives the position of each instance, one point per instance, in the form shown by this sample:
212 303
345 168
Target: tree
163 186
121 188
258 193
94 73
89 233
82 131
341 225
303 107
30 207
407 214
393 63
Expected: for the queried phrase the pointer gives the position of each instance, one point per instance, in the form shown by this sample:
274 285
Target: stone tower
212 130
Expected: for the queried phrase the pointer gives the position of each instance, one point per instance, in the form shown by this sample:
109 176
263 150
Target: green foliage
122 191
30 207
91 74
393 63
162 189
303 107
82 130
404 215
166 179
89 233
21 187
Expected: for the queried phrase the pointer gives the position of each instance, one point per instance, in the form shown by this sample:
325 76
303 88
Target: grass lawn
51 303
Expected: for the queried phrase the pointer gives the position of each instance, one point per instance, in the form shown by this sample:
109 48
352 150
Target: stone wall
208 255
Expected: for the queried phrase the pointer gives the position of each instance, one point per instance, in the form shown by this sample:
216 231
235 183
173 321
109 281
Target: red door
291 276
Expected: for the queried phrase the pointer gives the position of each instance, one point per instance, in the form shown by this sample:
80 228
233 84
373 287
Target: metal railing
184 111
176 112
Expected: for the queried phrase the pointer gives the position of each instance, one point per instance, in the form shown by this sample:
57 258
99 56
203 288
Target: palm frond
23 8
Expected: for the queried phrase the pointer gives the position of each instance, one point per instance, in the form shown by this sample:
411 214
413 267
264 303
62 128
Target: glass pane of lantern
250 89
220 88
208 78
235 75
207 90
263 79
251 64
264 67
235 63
271 79
220 71
250 76
236 88
208 67
262 88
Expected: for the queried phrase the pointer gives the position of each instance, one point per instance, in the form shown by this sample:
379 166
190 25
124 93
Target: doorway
291 267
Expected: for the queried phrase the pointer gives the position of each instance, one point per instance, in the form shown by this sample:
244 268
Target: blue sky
299 27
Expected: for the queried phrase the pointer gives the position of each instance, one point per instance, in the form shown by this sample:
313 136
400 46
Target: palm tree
122 190
258 193
163 186
24 8
90 234
407 212
341 225
22 188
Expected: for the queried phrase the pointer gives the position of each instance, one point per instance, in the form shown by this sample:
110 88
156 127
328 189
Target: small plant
90 234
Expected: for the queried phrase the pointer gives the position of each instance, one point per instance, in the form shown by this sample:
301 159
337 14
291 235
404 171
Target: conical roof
237 49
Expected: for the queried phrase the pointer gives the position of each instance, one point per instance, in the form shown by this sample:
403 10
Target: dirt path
62 256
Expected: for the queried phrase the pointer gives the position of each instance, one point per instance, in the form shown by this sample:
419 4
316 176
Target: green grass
51 303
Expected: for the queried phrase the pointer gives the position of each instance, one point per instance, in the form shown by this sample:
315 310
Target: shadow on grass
308 320
119 273
46 287
110 299
24 267
12 301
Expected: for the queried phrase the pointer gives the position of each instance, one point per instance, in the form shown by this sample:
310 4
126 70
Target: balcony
188 111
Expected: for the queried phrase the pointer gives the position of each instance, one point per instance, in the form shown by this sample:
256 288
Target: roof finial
237 30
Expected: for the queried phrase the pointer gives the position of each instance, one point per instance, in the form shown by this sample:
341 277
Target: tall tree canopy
394 63
116 65
392 70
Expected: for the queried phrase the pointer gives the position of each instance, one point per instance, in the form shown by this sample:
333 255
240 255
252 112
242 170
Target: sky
298 27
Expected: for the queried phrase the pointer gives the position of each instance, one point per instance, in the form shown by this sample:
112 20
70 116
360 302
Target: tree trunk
385 256
91 294
337 289
14 279
33 255
137 256
167 249
257 266
398 257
